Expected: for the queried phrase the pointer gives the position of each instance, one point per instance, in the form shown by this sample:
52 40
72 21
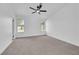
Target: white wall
5 32
31 26
64 25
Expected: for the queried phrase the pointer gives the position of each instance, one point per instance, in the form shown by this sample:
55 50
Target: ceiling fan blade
33 12
43 11
32 8
40 6
38 12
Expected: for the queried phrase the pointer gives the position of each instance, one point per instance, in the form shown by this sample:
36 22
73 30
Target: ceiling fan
38 10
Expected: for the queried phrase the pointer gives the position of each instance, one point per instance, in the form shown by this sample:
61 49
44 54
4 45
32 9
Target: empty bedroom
39 28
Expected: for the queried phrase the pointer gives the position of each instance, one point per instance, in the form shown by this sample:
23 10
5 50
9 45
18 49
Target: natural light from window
20 25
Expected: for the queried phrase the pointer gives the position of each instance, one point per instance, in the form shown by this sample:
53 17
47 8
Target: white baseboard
3 49
70 42
30 35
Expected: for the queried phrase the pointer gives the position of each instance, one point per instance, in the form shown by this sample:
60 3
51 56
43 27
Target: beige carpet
40 45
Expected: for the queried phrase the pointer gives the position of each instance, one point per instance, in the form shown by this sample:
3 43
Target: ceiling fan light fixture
38 10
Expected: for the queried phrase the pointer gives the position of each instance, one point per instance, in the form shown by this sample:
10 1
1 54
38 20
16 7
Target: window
20 25
43 26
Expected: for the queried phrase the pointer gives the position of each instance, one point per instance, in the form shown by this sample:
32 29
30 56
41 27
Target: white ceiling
13 9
